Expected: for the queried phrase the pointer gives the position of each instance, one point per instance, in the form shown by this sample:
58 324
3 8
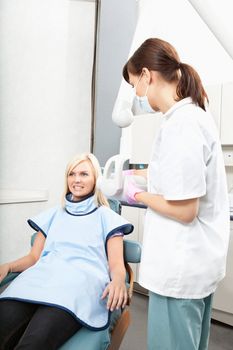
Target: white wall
45 106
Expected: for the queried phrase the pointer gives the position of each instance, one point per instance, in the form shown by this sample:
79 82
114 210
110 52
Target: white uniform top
186 260
72 271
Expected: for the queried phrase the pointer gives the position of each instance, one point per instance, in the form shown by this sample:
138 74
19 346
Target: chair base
119 330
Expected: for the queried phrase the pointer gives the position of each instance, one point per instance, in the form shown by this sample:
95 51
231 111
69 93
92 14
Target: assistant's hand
132 190
138 172
117 294
4 270
128 172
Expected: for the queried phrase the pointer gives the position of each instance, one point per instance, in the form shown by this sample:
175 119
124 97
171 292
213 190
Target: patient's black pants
34 326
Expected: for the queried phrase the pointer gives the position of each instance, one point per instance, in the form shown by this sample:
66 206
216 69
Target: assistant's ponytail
190 85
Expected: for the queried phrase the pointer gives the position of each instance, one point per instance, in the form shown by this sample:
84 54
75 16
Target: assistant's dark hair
158 55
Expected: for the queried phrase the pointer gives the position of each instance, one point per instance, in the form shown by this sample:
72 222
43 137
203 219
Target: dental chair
110 338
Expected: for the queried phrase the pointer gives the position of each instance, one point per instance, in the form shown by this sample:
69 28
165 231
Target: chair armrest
9 278
132 254
132 251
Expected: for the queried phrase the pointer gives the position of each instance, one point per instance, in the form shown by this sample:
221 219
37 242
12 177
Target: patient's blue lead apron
72 271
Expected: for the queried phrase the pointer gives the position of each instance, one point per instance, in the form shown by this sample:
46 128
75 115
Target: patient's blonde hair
99 198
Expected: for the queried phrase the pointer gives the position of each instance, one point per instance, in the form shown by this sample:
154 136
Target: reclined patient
74 275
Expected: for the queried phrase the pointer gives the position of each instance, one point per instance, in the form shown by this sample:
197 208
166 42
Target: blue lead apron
72 271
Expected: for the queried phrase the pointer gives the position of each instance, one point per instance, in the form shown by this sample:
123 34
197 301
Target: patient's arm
25 262
116 289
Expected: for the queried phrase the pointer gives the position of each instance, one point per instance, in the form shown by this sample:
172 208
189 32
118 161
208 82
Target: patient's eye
81 173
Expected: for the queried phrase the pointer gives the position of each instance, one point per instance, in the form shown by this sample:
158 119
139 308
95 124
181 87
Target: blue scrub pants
178 324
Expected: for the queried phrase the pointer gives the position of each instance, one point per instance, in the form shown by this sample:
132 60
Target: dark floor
221 336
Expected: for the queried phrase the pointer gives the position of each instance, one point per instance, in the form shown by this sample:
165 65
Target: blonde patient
74 275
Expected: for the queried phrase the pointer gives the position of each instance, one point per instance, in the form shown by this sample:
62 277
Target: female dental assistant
187 221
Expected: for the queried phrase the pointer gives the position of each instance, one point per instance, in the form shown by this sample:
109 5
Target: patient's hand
4 270
117 294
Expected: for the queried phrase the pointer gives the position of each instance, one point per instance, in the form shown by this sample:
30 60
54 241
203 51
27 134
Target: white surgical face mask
144 104
142 101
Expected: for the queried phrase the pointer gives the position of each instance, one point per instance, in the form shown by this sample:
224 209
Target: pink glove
132 190
128 172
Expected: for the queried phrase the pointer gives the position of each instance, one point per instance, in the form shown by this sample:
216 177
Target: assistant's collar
177 105
84 207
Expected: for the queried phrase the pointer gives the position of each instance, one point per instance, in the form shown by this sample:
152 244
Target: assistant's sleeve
113 223
182 168
42 222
